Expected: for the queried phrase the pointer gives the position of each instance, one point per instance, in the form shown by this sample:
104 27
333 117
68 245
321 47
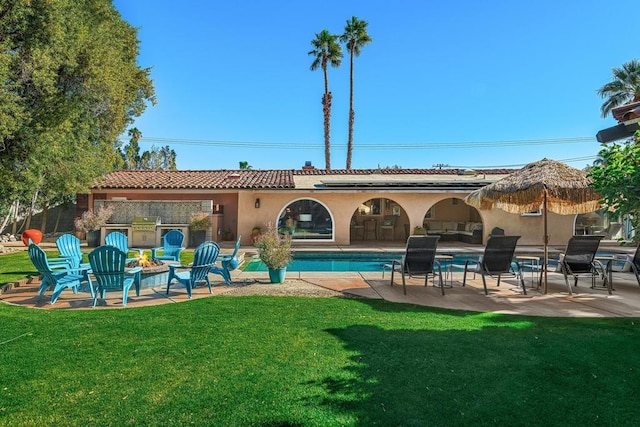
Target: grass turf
290 361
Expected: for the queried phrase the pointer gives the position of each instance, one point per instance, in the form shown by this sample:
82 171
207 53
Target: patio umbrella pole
545 253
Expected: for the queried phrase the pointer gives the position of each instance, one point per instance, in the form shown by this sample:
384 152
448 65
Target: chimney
307 166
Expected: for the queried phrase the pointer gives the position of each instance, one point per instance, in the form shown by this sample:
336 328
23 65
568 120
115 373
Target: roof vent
233 175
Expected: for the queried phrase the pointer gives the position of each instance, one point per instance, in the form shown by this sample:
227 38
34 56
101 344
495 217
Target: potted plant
256 233
419 231
199 223
90 223
275 252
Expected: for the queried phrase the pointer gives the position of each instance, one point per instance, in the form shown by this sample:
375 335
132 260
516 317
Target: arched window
306 219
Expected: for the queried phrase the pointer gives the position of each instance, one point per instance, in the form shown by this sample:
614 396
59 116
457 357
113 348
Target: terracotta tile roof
190 179
250 179
626 112
397 171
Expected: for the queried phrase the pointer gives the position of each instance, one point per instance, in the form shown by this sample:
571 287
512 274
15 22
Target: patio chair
108 265
204 258
69 248
419 259
579 259
60 279
229 263
389 223
496 261
121 241
635 263
171 246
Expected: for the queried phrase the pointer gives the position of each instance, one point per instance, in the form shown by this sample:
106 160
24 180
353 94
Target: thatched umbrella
546 184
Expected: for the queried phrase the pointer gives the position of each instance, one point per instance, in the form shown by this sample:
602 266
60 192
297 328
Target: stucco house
317 206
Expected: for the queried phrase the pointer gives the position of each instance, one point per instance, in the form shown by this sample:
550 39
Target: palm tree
355 36
625 87
326 50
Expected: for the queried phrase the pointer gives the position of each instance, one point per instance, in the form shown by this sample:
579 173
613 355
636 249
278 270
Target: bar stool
371 228
357 231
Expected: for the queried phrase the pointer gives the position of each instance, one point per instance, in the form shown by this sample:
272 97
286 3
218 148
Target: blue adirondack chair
108 267
69 248
58 278
171 246
120 241
229 263
204 258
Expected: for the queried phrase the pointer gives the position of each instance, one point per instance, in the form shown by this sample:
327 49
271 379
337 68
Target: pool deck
506 299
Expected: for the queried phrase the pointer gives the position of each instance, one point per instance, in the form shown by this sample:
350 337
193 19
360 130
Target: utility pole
441 165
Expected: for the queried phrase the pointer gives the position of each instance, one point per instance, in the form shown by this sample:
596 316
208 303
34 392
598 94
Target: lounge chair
60 279
171 247
635 263
496 261
229 263
419 260
69 248
204 258
579 259
120 241
108 265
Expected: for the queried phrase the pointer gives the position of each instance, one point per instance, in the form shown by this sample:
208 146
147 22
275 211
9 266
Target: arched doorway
306 219
379 219
453 220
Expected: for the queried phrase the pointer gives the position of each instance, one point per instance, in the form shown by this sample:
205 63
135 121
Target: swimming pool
342 261
368 261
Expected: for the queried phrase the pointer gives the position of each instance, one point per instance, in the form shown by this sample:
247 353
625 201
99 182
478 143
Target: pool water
342 261
367 261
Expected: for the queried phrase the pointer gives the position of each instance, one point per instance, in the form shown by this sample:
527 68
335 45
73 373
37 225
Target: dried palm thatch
546 184
568 190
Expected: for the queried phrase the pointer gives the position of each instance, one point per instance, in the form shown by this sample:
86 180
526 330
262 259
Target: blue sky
493 83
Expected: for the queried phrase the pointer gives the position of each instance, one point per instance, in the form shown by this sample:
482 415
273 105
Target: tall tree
131 153
355 37
326 50
617 178
624 88
69 85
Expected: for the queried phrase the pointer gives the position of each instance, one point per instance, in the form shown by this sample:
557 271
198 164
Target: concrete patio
507 299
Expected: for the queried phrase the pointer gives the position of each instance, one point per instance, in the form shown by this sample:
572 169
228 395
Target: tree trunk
32 208
55 228
8 217
326 108
45 215
14 225
351 114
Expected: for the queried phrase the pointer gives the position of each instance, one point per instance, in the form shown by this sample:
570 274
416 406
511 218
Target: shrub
273 249
200 221
92 221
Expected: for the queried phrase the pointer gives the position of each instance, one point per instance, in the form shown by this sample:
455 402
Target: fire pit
154 272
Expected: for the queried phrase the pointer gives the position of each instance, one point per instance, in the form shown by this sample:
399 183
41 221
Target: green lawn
290 361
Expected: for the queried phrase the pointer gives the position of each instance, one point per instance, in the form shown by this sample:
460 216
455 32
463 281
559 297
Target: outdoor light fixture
257 203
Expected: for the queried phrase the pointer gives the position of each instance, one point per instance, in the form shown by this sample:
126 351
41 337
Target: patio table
607 270
532 263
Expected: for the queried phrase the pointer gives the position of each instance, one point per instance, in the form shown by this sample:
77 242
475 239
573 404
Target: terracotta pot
34 235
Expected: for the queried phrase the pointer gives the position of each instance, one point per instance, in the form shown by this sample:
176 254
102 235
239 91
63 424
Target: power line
368 146
519 165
